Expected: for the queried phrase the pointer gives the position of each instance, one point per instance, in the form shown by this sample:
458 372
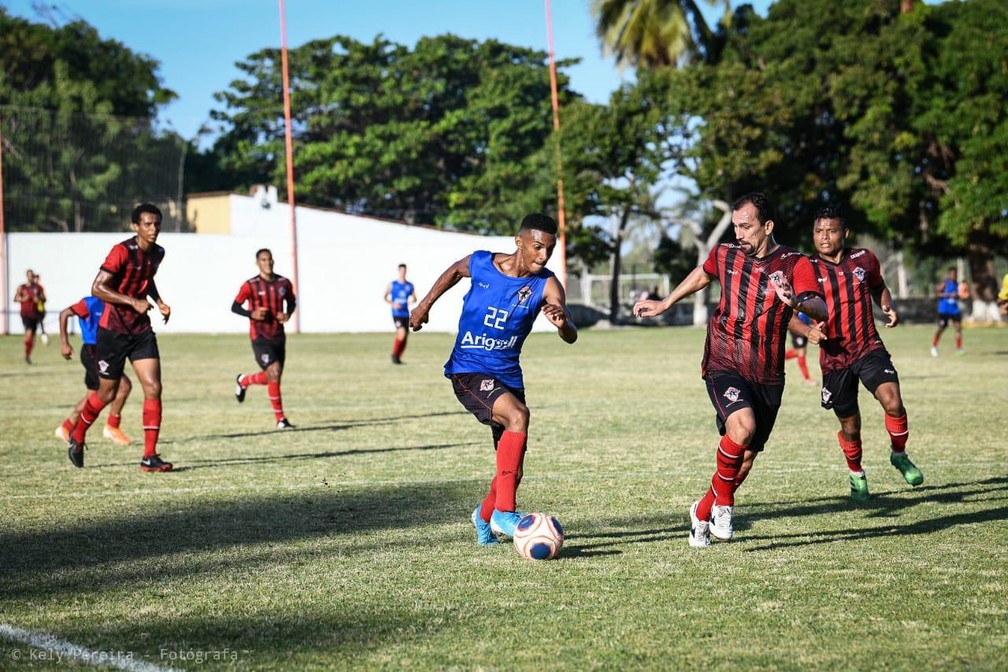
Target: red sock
113 421
852 451
92 409
722 490
899 432
253 379
803 366
273 391
151 425
509 458
790 354
29 344
959 341
68 426
703 509
398 347
934 341
487 507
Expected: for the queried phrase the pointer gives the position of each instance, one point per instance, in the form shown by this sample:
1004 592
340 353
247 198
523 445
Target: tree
655 33
452 132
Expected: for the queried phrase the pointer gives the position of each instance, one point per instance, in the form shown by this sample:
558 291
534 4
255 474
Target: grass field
346 543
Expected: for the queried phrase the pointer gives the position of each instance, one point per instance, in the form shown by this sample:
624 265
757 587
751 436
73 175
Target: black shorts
401 322
730 392
88 361
269 350
30 323
478 392
798 341
943 320
112 348
840 388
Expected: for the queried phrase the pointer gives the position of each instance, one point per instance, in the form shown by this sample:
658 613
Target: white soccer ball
538 536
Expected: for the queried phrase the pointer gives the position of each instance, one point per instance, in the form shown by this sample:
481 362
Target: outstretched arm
554 307
693 283
65 349
447 280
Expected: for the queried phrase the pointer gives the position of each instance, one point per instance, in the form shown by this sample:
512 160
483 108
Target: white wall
344 266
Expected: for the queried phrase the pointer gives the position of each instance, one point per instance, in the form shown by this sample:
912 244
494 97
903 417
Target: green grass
347 544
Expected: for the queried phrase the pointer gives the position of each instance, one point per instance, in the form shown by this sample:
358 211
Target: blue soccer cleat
484 535
503 523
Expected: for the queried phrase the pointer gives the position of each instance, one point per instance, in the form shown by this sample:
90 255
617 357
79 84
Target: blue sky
198 42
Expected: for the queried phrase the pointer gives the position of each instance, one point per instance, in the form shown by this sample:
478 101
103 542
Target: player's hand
282 317
418 318
165 311
648 308
140 305
817 333
783 288
66 350
259 314
891 314
555 314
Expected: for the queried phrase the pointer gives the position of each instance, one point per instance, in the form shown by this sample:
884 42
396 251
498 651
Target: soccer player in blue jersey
762 285
508 291
400 294
88 312
948 311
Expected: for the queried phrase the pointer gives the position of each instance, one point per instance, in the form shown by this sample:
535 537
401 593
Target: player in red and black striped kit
124 283
762 285
850 349
270 299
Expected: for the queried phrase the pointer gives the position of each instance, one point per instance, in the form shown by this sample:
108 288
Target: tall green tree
451 132
655 33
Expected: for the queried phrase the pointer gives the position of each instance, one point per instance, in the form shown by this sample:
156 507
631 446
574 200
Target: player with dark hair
399 294
948 311
31 296
508 291
850 349
124 283
271 302
88 312
762 285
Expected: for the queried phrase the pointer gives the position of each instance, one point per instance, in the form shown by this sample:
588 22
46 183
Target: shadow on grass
325 427
181 531
885 508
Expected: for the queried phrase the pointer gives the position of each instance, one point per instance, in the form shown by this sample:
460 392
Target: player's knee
516 419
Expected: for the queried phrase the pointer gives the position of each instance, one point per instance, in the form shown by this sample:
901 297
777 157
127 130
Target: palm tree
657 32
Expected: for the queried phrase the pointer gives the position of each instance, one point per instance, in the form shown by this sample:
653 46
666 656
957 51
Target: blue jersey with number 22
497 316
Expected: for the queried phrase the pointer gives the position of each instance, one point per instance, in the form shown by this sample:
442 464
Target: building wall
210 213
345 264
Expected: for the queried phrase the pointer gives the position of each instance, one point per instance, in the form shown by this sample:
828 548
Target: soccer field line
49 648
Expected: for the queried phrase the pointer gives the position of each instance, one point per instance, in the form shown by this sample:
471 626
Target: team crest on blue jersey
523 294
859 273
732 394
487 385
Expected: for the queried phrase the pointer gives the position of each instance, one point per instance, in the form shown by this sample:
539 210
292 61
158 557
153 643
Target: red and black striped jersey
132 271
276 295
747 333
848 287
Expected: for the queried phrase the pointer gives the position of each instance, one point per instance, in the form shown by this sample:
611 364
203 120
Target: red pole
562 216
4 327
289 141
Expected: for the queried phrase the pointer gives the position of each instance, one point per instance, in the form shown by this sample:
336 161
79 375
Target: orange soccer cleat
116 436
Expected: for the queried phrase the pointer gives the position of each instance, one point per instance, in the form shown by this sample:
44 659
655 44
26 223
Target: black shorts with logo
945 318
30 323
113 347
840 388
401 322
478 392
798 341
730 392
269 350
90 364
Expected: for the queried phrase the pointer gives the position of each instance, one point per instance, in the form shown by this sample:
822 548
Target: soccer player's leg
840 395
147 365
882 379
110 355
112 430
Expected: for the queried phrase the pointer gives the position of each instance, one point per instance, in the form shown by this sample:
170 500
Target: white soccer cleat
721 525
699 534
934 351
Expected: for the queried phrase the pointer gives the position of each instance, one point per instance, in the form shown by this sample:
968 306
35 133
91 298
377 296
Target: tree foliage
453 132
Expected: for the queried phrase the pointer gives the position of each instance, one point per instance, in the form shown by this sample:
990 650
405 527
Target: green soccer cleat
859 488
911 474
